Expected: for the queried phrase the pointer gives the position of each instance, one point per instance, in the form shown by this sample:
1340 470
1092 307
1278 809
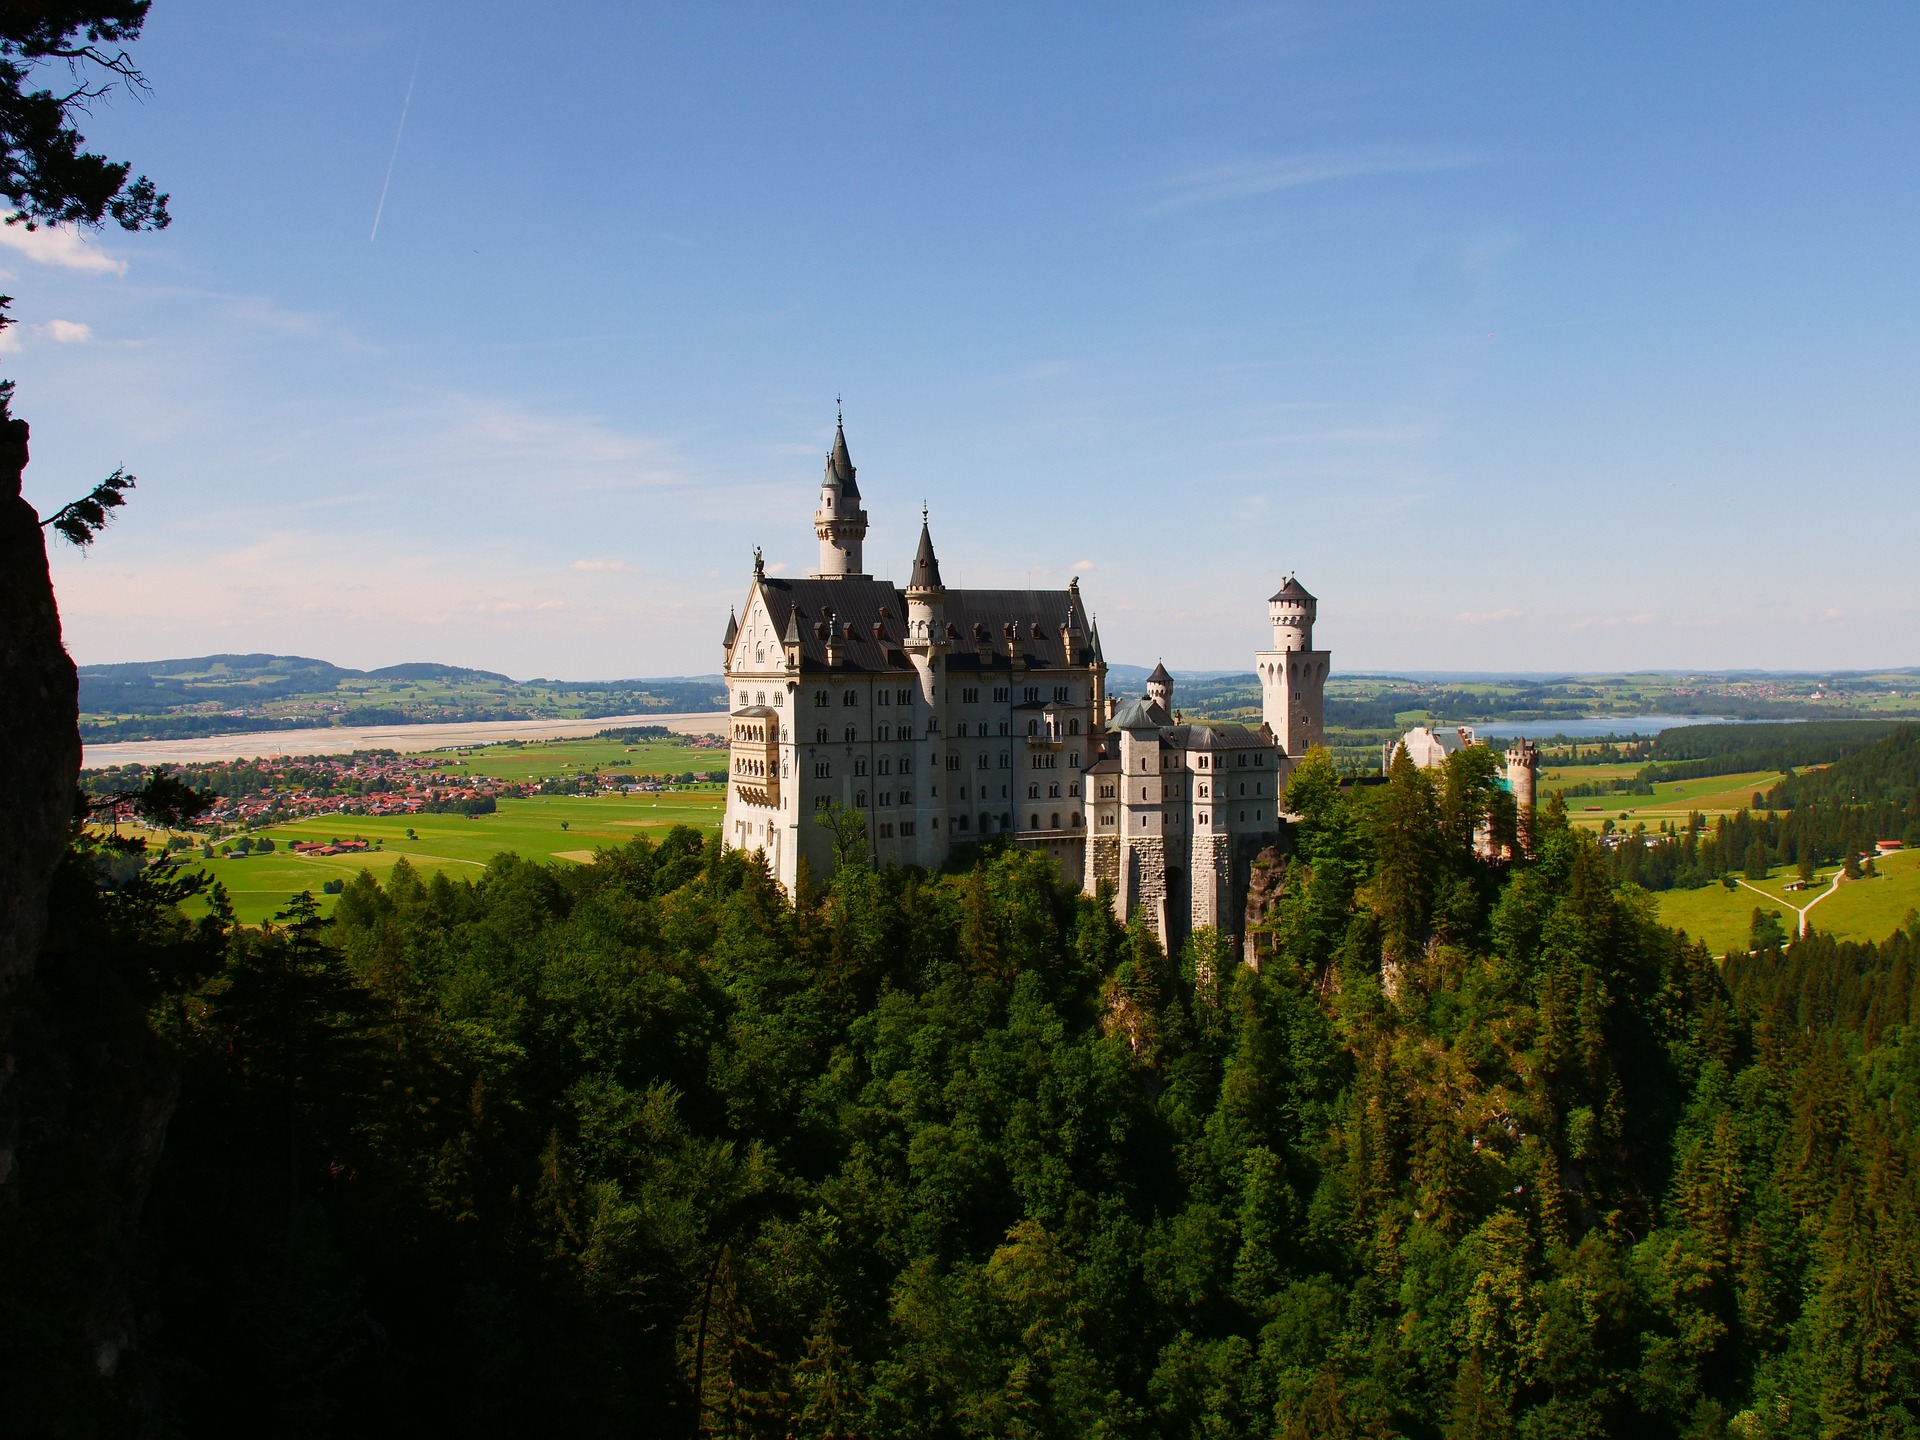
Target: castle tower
1523 774
1160 687
1293 675
840 523
926 649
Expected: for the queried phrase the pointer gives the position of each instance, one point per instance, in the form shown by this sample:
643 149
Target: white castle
943 716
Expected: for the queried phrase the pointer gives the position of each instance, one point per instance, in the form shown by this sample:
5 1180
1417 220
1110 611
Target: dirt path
1839 879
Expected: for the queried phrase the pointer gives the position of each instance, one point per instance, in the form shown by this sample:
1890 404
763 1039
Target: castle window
886 799
886 766
743 700
963 730
1003 727
969 697
1076 819
819 699
1033 727
759 654
1053 792
822 770
820 735
860 799
1073 789
850 734
1260 758
1033 822
906 826
1243 760
1032 693
1060 692
953 762
983 761
1006 760
1073 760
1053 821
1073 725
906 764
1033 792
960 822
906 797
886 832
883 698
904 697
778 699
860 766
1000 694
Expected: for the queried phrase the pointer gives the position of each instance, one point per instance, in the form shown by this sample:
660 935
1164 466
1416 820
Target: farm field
1859 910
1671 799
546 759
531 828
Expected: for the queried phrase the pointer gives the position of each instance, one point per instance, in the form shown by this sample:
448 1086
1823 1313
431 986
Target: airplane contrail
405 105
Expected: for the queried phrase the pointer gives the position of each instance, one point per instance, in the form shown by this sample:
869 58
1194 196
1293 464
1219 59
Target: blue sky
1532 336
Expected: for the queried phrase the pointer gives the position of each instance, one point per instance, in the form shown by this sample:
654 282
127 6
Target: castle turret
1160 687
1293 675
839 522
1291 609
1523 776
926 646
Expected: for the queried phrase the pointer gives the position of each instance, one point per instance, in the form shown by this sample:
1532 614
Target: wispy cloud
67 332
1267 174
60 245
1483 617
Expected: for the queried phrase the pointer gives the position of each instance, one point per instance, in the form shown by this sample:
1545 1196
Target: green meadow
1671 799
548 759
547 828
1866 909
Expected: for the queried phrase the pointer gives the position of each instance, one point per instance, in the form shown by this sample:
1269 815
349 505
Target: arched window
820 698
860 766
1076 819
848 697
1053 822
1033 727
850 734
860 799
1033 792
1033 822
886 766
1073 725
820 735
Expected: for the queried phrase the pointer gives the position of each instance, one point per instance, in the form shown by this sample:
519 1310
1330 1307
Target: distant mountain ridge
234 694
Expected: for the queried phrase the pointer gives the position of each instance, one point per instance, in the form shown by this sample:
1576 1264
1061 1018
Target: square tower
1293 675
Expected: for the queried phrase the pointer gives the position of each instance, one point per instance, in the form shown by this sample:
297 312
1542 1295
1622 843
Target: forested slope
636 1147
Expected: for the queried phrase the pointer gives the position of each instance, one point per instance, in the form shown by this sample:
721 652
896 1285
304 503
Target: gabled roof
1219 737
1292 590
1140 714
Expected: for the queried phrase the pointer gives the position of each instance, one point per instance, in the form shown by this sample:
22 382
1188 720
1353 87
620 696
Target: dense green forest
642 1147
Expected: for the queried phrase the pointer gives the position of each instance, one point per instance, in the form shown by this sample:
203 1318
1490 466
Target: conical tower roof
1292 590
926 565
840 469
1160 675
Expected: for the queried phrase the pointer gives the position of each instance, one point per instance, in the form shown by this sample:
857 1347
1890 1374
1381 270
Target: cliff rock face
39 753
1266 882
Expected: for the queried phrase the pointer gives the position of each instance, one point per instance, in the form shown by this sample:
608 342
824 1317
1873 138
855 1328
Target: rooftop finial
923 512
759 564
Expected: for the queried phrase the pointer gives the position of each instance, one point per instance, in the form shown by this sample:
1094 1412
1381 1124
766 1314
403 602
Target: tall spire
840 469
926 566
839 523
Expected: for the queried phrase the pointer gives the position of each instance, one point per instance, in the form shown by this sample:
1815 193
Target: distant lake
1594 727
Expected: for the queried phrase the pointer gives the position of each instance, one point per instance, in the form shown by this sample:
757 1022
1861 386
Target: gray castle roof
1140 714
1292 590
1160 675
1218 737
874 615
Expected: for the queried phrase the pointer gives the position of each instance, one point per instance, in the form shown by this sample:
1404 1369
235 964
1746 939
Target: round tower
1523 774
839 522
1291 609
926 596
1160 687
